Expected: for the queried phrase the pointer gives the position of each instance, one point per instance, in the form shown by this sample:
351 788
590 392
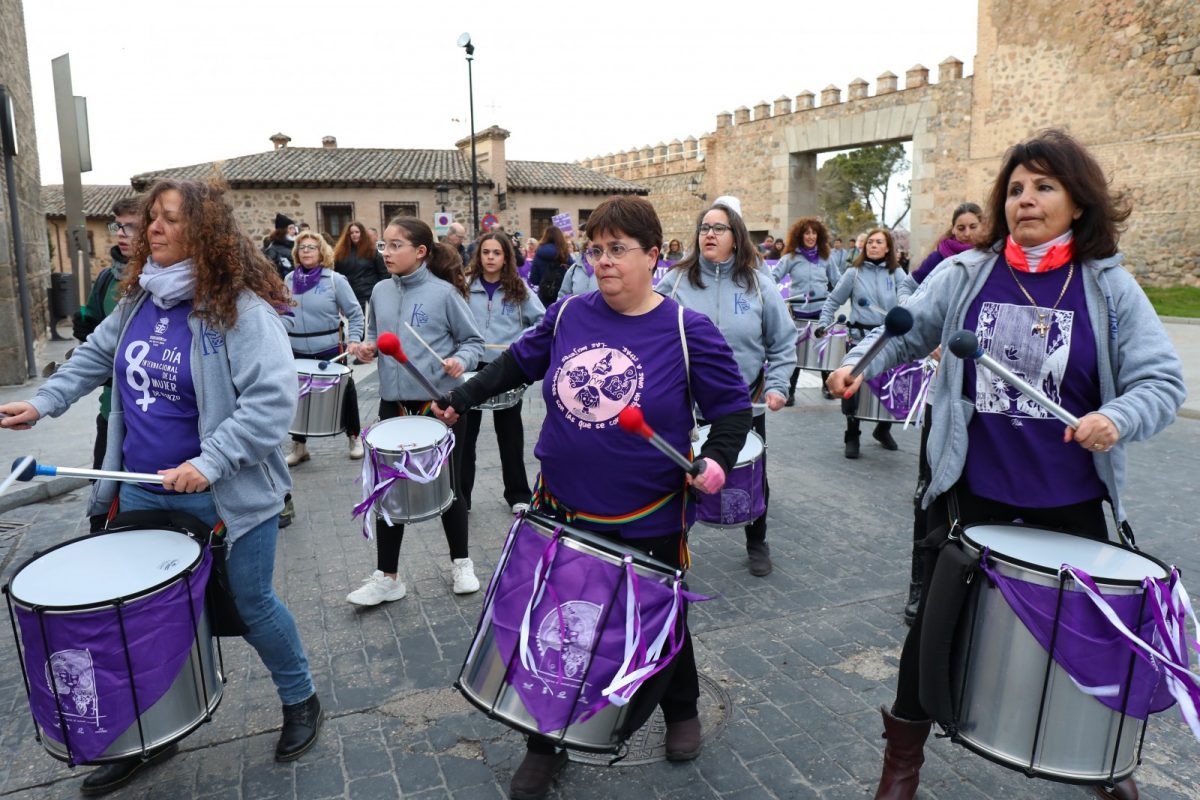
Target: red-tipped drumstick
632 420
389 344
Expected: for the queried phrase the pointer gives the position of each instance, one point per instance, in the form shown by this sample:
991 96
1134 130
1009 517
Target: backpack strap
558 318
687 374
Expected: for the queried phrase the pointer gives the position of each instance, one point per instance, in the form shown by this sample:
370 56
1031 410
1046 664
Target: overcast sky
169 83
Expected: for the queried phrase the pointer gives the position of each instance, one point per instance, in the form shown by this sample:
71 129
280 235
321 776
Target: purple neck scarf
810 253
951 247
305 279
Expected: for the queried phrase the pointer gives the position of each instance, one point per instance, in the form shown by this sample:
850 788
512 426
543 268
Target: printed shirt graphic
598 363
1016 454
154 377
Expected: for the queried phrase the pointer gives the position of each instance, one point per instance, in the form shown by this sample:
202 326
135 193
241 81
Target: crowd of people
712 343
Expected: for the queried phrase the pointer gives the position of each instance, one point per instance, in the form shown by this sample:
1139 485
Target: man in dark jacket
279 244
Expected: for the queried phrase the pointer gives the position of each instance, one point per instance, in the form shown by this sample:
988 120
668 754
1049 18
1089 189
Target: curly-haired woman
204 392
809 264
356 258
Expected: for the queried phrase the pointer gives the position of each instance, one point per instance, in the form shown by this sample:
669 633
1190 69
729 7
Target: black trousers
1082 519
510 436
676 689
388 538
100 448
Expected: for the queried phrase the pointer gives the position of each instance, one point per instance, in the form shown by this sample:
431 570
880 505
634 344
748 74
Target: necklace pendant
1041 328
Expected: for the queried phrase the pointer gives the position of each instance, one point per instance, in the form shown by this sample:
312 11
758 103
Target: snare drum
822 354
501 401
1015 704
553 653
322 395
404 471
114 643
741 500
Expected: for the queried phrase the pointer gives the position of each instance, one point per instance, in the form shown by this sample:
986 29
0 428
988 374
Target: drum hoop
761 453
39 608
1041 569
592 542
400 451
342 370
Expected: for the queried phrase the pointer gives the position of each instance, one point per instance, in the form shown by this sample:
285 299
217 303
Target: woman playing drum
1047 295
427 292
597 354
813 273
723 278
503 307
322 296
204 391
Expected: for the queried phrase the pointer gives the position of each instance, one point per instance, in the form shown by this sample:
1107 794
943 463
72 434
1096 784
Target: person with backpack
279 244
550 262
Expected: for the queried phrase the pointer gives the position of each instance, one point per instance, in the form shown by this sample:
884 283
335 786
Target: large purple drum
742 500
114 642
572 625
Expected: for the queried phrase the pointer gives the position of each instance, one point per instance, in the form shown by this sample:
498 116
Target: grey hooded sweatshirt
317 310
808 280
867 281
1141 376
754 321
500 321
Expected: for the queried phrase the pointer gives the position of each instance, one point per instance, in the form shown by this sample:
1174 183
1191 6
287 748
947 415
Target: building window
390 211
91 240
539 220
332 218
584 213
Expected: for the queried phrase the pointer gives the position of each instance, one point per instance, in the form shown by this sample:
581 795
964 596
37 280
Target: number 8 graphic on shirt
135 376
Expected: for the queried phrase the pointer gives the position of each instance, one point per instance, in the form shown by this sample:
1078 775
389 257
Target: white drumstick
422 341
965 344
496 346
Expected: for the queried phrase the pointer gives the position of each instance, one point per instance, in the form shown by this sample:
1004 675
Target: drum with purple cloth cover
114 643
892 395
322 395
1040 680
742 500
572 625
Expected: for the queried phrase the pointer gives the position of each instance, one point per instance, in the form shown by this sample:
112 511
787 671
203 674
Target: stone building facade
1123 77
14 73
98 201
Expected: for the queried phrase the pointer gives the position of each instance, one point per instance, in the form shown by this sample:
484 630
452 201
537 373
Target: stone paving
806 655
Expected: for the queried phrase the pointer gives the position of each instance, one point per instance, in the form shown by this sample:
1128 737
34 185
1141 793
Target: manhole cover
649 743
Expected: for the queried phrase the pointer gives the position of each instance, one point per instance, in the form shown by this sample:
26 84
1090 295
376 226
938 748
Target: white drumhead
406 433
466 376
752 450
104 567
311 366
1052 549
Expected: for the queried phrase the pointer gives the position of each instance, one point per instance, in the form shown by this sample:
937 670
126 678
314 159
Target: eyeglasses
379 246
307 248
128 228
615 252
396 246
718 229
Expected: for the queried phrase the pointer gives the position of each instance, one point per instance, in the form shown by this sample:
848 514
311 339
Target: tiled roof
341 166
97 199
553 175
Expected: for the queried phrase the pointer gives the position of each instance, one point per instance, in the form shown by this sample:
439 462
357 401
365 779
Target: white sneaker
465 581
356 448
517 508
378 588
299 453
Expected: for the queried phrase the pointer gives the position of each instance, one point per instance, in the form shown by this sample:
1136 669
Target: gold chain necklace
1041 328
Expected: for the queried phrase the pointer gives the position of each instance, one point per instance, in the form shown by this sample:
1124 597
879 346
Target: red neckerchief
1057 256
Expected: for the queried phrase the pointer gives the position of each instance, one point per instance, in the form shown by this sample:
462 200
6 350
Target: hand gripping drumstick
820 332
26 469
632 420
389 344
965 344
898 322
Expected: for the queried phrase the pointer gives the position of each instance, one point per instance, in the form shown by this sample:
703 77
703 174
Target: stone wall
14 67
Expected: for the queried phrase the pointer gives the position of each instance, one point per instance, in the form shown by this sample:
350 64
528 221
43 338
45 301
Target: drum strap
547 503
314 333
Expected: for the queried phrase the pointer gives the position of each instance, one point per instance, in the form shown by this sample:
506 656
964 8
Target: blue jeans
251 564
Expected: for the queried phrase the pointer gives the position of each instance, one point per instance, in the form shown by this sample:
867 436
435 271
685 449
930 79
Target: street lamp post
465 42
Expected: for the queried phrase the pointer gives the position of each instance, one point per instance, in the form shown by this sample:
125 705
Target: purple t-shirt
490 287
154 371
597 363
1015 452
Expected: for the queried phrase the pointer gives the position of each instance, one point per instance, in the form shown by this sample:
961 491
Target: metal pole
474 163
10 180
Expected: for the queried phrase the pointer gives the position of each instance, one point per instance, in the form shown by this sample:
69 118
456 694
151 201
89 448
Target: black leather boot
301 724
791 398
883 435
111 777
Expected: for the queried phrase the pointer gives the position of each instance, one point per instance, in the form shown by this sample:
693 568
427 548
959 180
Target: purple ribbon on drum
1089 623
571 658
830 334
316 383
378 477
902 389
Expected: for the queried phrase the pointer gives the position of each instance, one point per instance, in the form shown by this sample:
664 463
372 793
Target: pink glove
711 479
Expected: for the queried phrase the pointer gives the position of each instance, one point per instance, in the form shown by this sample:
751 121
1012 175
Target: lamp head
465 41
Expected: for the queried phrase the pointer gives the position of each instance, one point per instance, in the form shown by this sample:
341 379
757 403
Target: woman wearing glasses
427 291
723 278
596 354
322 297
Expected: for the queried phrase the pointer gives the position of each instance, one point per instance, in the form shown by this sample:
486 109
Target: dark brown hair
795 237
515 288
890 260
963 208
126 206
442 259
745 253
632 216
364 250
555 237
1055 154
226 261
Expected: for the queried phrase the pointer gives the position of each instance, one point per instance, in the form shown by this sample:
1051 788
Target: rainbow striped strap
542 499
